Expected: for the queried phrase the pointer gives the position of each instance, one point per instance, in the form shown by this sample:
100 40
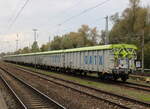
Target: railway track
85 93
28 96
135 86
19 101
9 96
115 99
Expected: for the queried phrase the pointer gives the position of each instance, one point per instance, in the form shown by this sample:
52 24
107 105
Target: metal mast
34 30
106 32
17 42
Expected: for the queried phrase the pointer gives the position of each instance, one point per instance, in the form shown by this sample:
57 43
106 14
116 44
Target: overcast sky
45 15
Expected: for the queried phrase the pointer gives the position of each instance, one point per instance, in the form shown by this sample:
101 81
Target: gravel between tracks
8 97
96 93
66 97
131 86
31 99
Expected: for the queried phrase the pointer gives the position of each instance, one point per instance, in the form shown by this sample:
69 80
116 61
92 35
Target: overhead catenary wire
60 25
18 14
84 11
72 7
14 11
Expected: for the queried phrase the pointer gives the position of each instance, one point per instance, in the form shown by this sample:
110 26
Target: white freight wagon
108 61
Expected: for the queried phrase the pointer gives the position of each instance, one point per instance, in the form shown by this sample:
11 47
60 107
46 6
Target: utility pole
142 51
143 37
35 30
17 43
49 39
29 45
106 32
59 27
49 48
148 15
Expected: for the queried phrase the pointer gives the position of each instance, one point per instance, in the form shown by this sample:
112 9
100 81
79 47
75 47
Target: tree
2 54
25 50
147 55
115 18
102 37
45 47
134 6
56 43
84 32
35 47
93 35
85 36
129 27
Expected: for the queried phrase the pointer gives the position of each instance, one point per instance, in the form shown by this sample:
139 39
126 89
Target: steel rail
117 95
96 89
86 93
35 90
136 86
14 94
118 83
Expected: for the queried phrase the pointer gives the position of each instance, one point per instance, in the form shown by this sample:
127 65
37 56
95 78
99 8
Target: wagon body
110 59
94 60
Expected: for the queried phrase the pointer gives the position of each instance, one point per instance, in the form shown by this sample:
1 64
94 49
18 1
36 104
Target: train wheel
80 73
124 79
115 78
103 77
99 75
85 73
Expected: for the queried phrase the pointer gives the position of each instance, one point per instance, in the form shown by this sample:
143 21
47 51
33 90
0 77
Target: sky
48 16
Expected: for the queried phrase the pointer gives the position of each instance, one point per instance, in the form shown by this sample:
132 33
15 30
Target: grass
140 95
141 79
138 81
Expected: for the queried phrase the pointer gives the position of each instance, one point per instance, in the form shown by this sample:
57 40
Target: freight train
112 61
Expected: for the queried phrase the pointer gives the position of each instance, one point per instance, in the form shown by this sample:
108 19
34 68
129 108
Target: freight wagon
108 61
